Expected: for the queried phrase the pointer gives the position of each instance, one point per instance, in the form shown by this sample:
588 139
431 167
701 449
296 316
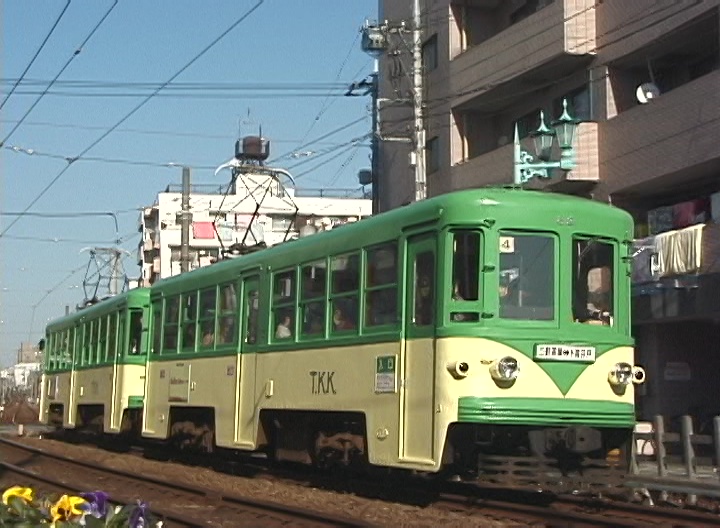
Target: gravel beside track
361 510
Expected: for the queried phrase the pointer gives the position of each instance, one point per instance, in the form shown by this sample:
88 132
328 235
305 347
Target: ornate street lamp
564 130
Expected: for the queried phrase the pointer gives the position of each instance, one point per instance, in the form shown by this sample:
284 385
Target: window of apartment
579 104
430 54
527 123
282 223
528 7
432 149
680 57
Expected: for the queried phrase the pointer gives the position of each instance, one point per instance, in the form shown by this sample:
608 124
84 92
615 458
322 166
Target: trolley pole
185 222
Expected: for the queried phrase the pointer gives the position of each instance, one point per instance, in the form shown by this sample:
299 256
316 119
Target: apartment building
643 78
258 211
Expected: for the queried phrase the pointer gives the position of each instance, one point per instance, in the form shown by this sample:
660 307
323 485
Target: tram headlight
621 374
638 375
458 369
505 369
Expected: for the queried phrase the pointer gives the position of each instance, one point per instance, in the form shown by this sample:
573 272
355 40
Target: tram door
115 353
245 398
417 396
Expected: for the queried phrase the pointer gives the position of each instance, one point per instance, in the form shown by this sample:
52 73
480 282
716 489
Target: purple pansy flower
97 503
139 516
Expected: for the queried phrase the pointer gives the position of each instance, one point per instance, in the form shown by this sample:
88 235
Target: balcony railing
495 167
552 42
674 132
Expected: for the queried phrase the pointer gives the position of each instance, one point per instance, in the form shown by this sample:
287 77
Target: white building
272 212
22 374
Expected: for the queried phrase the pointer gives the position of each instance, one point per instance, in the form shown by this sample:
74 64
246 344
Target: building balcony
547 45
668 144
496 167
661 293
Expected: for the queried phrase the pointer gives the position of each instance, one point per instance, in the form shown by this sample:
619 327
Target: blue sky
305 47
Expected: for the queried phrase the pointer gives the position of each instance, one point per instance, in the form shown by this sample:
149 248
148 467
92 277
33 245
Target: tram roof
137 296
527 208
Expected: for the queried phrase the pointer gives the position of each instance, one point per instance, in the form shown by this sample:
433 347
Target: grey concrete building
488 64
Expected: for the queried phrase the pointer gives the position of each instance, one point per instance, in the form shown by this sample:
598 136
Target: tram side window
527 276
170 332
227 327
93 330
593 288
206 318
51 354
136 333
344 286
381 285
55 351
112 337
85 343
465 274
122 340
312 298
102 339
252 311
70 356
424 288
189 321
284 305
157 327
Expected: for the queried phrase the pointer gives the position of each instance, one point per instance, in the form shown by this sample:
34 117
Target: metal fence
678 461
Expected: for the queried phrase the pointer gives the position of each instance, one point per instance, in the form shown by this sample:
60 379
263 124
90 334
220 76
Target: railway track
177 504
571 511
472 500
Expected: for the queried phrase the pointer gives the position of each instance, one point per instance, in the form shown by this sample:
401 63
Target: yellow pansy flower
17 491
66 507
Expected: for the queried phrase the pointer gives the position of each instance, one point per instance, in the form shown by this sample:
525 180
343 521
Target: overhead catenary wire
129 114
35 56
324 106
152 132
62 70
324 136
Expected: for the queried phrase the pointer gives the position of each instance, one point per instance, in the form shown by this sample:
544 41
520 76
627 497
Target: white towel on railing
679 252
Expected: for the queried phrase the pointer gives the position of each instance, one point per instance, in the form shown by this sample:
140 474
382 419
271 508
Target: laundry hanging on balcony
679 252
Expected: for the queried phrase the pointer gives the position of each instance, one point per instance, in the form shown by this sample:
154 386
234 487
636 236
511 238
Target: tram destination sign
565 353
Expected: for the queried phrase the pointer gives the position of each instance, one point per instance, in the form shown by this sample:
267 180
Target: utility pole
185 219
376 42
375 140
417 96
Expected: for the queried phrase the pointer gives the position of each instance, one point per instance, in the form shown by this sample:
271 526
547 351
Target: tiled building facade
488 64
